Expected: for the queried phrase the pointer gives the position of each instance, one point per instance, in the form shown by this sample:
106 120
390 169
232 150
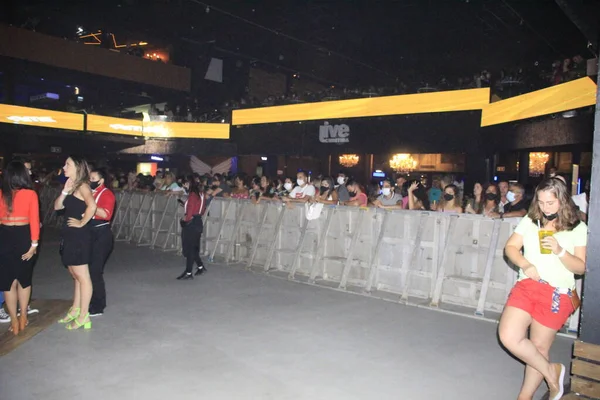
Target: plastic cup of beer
543 234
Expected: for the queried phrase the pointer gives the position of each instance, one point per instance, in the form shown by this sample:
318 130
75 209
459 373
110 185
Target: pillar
523 167
590 312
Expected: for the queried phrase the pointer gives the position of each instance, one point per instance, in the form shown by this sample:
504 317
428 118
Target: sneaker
185 276
96 313
201 269
29 311
4 317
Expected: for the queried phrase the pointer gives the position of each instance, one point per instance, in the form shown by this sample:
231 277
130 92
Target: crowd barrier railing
428 259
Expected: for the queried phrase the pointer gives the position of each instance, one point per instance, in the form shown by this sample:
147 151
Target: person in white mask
303 192
517 206
342 191
388 198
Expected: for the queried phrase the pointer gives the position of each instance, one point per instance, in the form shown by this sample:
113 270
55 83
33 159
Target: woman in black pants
192 229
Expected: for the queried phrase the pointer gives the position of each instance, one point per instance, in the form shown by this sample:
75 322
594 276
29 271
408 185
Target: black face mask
352 194
491 196
551 217
448 197
324 189
94 185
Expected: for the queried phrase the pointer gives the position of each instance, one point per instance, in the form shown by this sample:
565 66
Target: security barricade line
426 259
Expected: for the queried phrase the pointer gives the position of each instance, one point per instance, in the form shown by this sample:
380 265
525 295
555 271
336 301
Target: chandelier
349 160
537 163
403 163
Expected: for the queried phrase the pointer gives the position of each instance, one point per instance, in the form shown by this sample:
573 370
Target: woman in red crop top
19 235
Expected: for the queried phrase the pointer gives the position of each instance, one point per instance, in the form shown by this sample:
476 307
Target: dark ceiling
369 42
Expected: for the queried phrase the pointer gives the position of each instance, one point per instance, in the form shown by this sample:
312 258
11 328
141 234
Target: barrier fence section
429 259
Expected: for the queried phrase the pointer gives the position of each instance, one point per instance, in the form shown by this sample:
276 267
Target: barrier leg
147 221
437 293
489 262
203 242
375 254
236 230
321 245
348 263
263 219
137 216
273 245
126 216
298 249
162 219
221 226
414 257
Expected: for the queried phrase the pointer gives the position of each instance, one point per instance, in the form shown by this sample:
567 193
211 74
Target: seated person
517 206
358 197
303 192
327 193
388 198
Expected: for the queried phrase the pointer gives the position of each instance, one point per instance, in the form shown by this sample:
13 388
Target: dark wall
456 132
31 46
543 133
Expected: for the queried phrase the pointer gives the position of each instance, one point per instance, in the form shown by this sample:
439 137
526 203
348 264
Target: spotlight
207 9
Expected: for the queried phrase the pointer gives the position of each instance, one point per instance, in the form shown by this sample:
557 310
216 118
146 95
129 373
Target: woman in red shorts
542 299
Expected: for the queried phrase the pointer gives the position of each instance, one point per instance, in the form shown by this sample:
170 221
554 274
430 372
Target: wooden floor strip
50 312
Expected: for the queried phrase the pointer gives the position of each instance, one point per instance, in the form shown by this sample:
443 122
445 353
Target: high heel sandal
23 322
14 327
75 324
70 317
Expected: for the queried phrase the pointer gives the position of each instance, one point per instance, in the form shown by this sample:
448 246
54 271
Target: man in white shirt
303 192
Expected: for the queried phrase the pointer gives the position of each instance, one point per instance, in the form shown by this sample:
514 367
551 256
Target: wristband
65 193
562 253
34 244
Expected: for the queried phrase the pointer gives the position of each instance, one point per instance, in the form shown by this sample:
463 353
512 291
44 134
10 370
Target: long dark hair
195 186
568 215
15 178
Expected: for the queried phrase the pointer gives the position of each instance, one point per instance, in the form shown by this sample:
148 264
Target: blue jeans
1 298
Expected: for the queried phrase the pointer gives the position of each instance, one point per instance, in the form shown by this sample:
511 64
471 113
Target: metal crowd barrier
427 259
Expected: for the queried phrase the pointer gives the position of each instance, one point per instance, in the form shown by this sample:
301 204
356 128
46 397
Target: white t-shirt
549 266
580 201
301 192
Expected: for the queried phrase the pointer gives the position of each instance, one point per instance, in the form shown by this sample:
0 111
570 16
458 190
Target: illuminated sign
157 129
40 117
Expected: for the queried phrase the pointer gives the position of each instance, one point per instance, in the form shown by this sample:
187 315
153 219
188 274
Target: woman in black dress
19 235
79 205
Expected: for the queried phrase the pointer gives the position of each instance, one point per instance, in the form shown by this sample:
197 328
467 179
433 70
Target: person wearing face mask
327 193
303 192
342 191
358 197
451 202
491 200
517 207
544 297
388 198
285 189
102 238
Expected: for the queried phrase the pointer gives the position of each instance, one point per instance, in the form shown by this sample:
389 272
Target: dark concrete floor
233 334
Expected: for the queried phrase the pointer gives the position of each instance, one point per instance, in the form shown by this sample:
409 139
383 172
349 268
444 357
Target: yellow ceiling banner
119 126
454 100
40 117
564 97
186 130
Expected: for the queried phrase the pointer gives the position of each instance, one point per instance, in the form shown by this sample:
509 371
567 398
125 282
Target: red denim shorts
536 299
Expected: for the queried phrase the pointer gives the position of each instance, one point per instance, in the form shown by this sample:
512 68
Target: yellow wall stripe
455 100
564 97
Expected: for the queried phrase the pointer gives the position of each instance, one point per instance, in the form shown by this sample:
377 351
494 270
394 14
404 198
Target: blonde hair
82 175
568 215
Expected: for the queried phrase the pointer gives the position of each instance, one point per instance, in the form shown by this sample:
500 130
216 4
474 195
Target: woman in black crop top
79 205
